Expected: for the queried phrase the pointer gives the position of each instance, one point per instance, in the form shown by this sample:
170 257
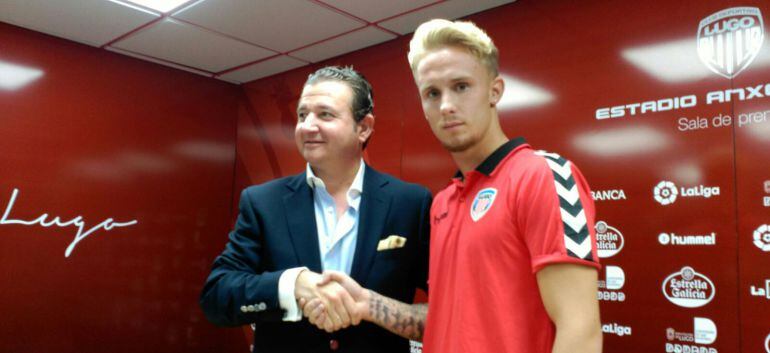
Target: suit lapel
300 215
375 205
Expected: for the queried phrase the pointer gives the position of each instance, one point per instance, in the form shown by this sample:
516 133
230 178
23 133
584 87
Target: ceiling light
13 77
159 5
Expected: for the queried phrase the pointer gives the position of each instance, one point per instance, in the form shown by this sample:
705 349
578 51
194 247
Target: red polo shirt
518 212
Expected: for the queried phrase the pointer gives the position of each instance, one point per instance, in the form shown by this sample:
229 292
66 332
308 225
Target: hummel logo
437 218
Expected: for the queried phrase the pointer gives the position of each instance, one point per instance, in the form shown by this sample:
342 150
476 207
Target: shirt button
334 345
244 309
261 306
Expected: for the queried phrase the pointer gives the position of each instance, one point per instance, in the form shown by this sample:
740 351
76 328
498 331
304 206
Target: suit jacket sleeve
421 274
238 291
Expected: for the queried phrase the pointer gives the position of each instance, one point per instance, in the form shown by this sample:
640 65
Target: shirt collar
356 188
488 165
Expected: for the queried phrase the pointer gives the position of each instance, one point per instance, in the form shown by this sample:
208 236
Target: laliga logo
616 329
688 288
665 193
762 237
729 40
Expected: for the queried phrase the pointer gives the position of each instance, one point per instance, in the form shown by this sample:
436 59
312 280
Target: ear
365 127
496 89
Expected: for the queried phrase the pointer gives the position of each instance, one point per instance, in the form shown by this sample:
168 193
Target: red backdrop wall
103 136
563 62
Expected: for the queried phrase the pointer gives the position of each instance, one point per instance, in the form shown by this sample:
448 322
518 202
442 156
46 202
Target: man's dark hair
362 102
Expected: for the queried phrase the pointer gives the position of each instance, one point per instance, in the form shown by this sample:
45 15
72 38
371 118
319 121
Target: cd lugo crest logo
729 40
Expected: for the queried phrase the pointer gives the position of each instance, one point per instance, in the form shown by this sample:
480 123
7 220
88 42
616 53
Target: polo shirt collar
488 165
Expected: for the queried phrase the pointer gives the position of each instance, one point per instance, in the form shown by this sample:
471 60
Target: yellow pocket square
391 242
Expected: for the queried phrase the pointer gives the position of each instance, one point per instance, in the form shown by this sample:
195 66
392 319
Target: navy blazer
276 230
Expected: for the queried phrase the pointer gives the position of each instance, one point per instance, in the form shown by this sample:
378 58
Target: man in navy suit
341 215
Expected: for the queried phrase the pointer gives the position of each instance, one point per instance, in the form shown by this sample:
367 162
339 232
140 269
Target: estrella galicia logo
688 288
482 203
767 343
665 193
762 237
730 39
609 240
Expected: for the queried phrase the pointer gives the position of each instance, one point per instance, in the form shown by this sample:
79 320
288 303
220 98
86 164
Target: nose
447 105
308 124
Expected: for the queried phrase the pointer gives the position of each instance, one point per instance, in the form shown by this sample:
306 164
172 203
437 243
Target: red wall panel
101 136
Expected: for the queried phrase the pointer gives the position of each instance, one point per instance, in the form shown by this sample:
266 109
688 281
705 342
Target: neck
338 177
470 158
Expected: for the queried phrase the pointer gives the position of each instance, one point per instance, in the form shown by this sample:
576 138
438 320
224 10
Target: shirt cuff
286 299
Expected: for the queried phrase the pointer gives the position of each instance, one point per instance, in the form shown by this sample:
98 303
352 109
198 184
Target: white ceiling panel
192 46
450 9
93 22
279 25
375 10
262 69
161 62
359 39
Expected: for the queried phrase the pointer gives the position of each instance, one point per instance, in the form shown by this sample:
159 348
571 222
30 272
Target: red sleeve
555 213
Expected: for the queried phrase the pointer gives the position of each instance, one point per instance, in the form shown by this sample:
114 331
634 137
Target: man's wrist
367 297
286 294
298 284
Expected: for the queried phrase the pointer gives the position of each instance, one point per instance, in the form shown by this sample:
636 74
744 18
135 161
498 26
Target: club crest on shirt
482 203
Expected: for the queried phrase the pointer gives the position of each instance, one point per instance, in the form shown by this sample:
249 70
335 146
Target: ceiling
234 40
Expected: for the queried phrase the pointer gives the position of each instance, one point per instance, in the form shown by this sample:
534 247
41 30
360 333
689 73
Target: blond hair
438 33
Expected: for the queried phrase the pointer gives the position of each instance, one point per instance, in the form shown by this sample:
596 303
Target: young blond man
513 261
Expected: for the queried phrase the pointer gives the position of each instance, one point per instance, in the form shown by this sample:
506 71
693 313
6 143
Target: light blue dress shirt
336 237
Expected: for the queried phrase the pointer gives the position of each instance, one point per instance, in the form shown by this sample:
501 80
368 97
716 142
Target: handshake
331 301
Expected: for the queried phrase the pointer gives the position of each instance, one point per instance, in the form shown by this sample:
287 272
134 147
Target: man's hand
335 300
314 309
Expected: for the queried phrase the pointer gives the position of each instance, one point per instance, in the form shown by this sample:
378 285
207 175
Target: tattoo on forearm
405 320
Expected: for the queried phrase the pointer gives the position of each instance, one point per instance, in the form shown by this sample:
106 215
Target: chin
457 145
